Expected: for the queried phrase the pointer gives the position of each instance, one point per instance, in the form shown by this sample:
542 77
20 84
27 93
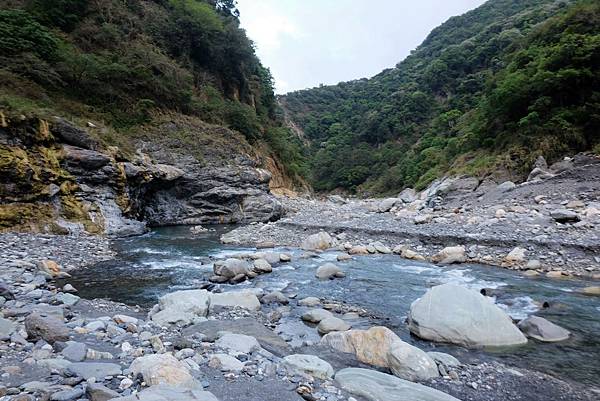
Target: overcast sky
309 42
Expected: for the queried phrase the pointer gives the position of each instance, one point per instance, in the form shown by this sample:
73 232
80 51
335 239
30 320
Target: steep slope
115 112
485 94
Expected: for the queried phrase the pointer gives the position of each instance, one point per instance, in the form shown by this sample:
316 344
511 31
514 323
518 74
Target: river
170 259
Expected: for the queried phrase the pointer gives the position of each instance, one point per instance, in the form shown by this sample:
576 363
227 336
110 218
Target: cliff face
56 177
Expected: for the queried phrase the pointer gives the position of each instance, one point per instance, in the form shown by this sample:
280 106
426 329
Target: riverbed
170 259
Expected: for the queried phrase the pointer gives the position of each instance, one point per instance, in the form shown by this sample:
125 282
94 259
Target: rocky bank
546 225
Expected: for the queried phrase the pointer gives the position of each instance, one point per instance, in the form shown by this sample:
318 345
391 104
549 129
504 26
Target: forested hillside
485 94
123 63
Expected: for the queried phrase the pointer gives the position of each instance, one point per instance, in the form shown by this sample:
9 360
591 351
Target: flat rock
377 386
182 307
453 314
543 330
238 343
99 392
244 299
75 351
169 393
97 370
225 362
7 327
309 364
248 326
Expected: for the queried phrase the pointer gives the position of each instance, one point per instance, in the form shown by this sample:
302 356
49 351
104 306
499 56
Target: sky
306 43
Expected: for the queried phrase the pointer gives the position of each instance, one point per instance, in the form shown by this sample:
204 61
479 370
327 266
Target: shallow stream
170 259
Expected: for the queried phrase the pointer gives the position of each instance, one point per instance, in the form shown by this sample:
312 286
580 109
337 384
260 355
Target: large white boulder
319 241
245 299
450 254
453 314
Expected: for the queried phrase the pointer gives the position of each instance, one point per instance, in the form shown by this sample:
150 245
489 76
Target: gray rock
319 241
238 343
182 307
67 395
262 266
75 351
454 314
444 359
408 195
231 267
225 362
98 392
316 315
450 254
377 386
248 326
6 328
543 330
169 393
309 364
506 186
97 370
67 299
162 369
332 324
386 204
328 271
564 216
275 297
244 299
309 301
47 327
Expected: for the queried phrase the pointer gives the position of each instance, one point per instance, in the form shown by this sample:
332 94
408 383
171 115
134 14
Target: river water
170 259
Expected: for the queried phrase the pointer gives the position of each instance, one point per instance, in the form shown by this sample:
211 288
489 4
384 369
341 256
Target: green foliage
501 84
63 14
127 61
20 34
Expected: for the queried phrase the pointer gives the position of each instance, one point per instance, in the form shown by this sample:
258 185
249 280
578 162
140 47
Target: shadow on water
170 258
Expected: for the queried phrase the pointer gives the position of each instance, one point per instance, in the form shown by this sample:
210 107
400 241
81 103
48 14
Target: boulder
225 362
564 216
412 255
309 364
164 392
444 359
332 324
408 195
377 386
231 267
329 271
449 255
543 330
238 343
387 204
379 247
75 351
98 392
309 301
592 290
46 327
244 299
162 369
316 315
49 268
182 307
515 257
379 346
275 297
453 314
262 266
358 250
506 186
319 241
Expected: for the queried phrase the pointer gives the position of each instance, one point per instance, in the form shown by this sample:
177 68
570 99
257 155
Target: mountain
484 94
113 112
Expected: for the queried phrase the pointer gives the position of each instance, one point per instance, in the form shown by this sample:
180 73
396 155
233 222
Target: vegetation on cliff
485 93
122 63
